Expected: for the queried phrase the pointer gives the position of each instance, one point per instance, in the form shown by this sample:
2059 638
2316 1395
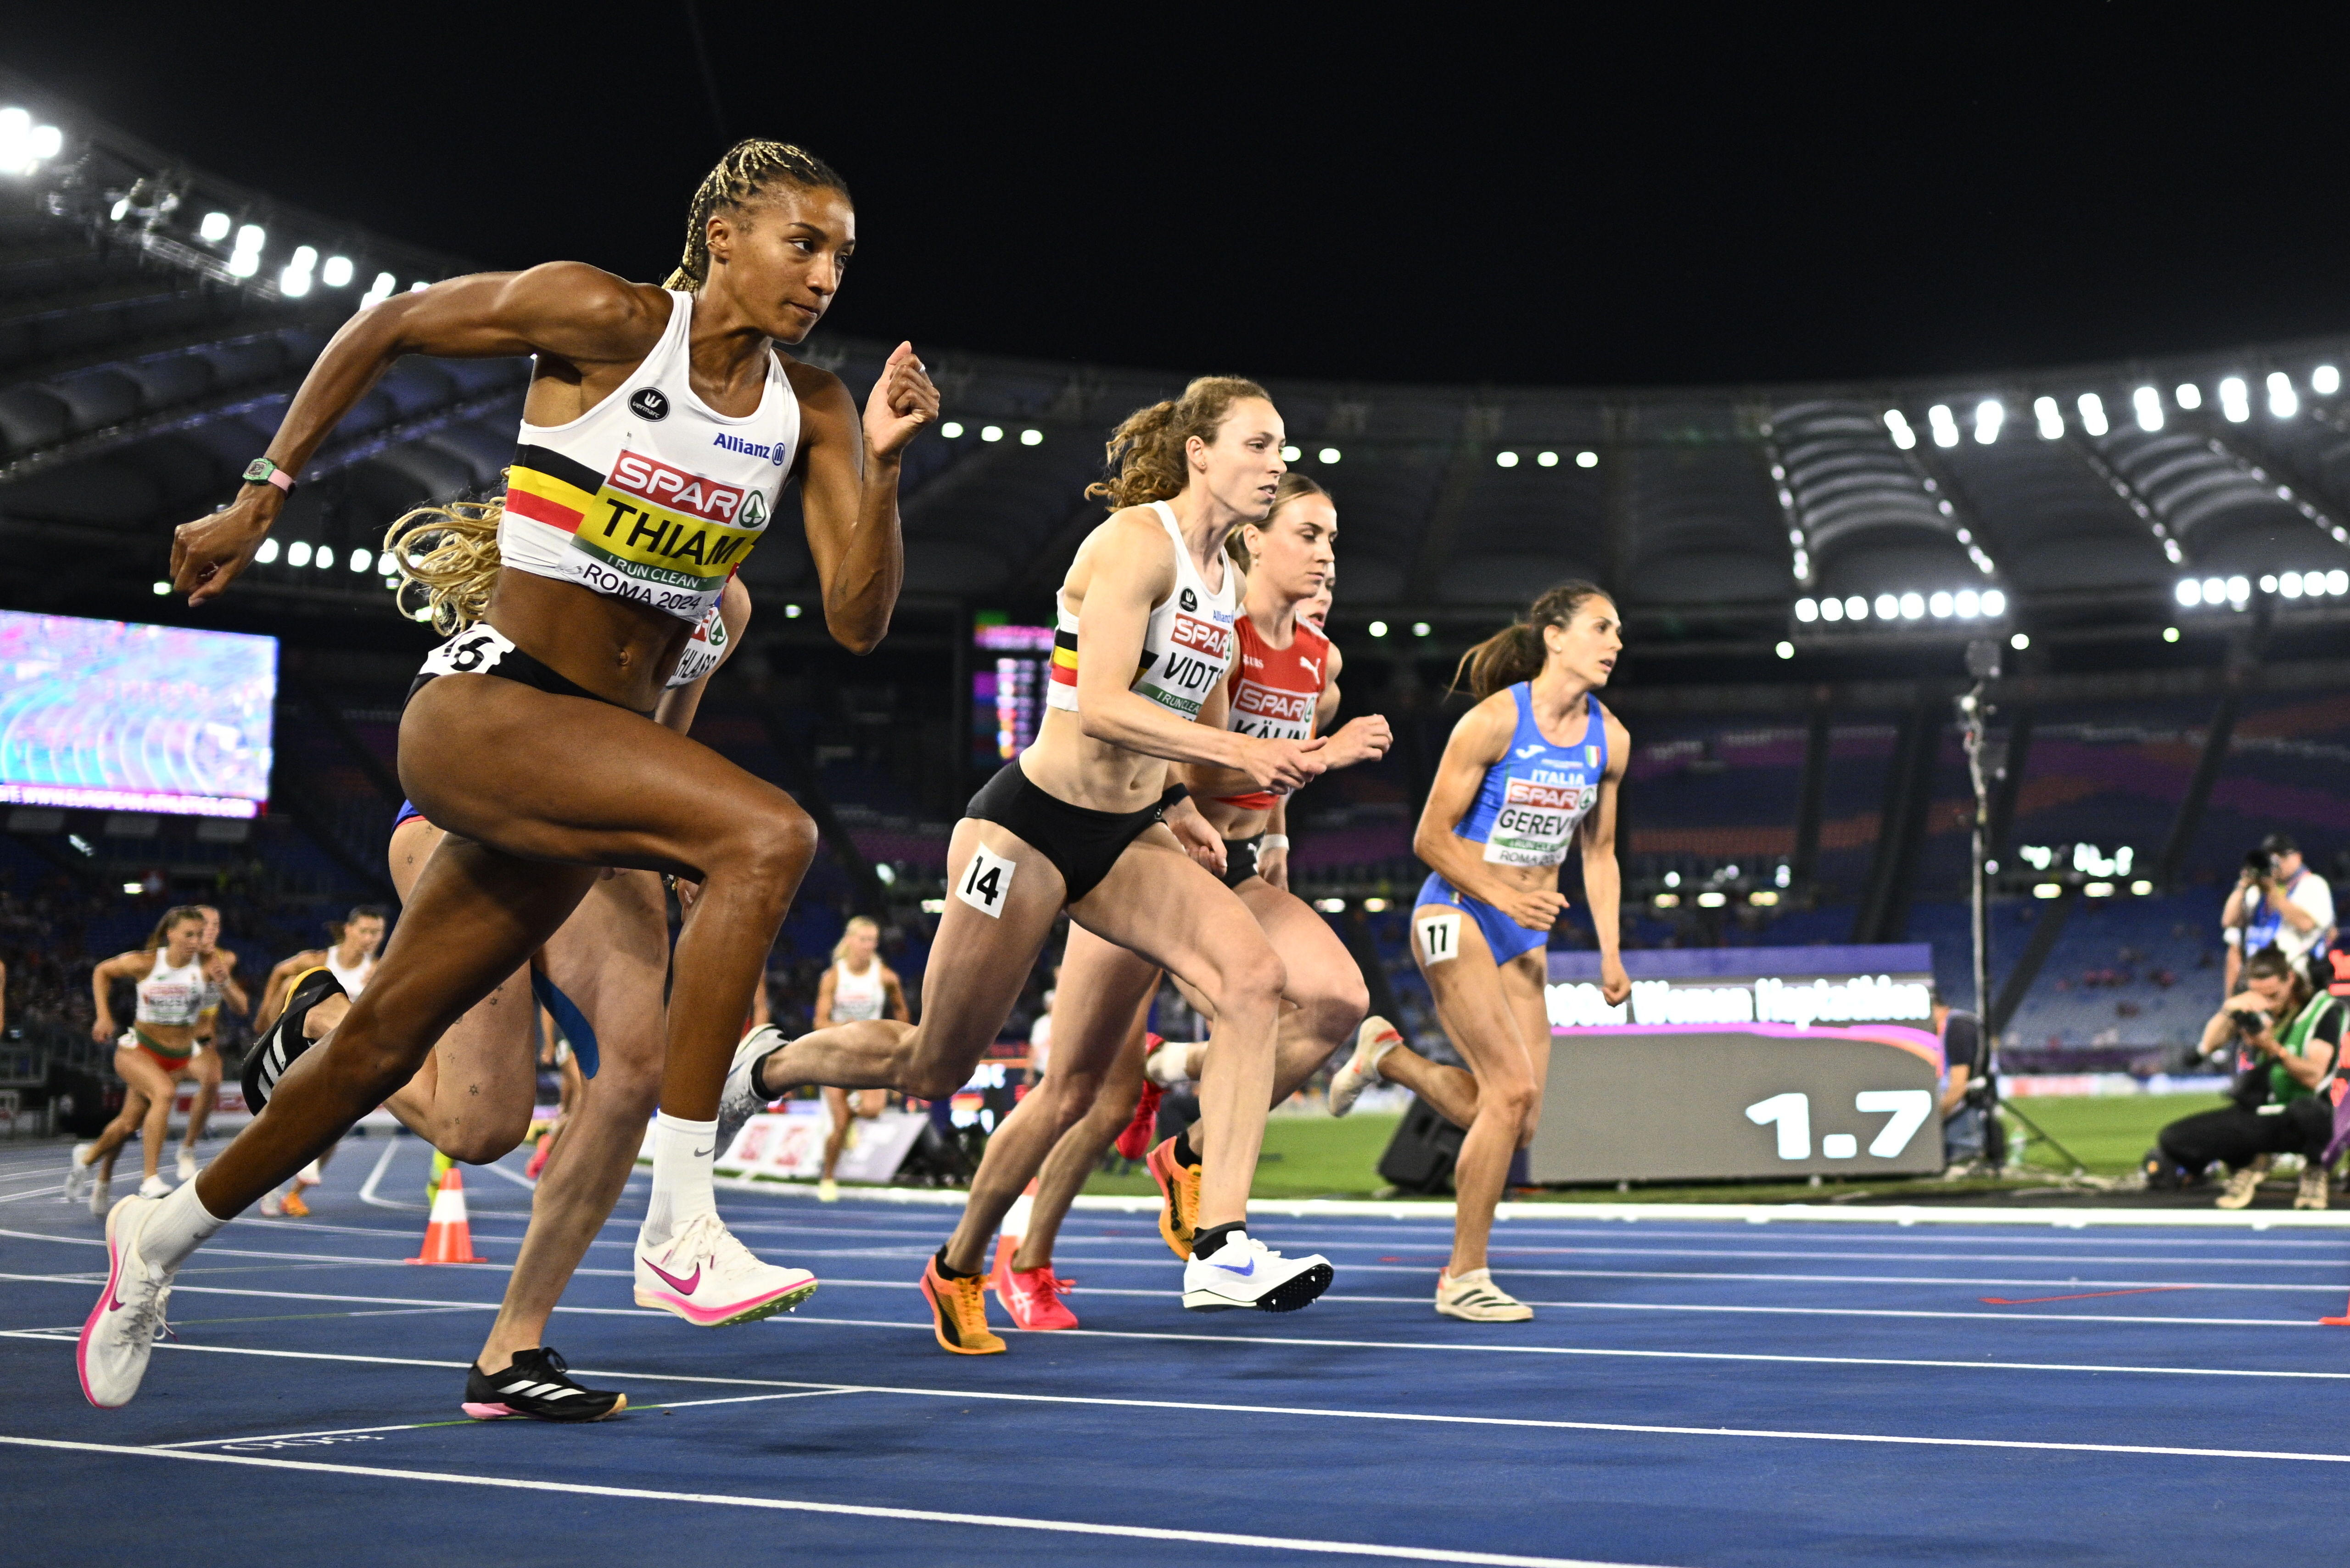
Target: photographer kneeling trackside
2287 1041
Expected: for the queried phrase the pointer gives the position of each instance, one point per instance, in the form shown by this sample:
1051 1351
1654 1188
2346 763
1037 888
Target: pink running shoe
1033 1296
708 1278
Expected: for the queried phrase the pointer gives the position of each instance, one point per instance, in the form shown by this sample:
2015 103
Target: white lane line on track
1961 1280
857 1510
2011 1316
297 1438
1594 1352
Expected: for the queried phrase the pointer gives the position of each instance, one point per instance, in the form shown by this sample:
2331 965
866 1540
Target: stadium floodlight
1856 608
1994 603
953 430
1032 436
2050 418
251 237
1989 417
1966 603
2188 395
2325 381
1888 607
1912 606
1807 611
336 273
2019 642
2148 404
378 290
23 144
2270 584
324 558
419 285
2215 590
1944 424
162 588
1506 460
2170 634
1546 459
2284 402
991 433
2336 581
1785 651
1378 629
215 228
2235 399
2190 592
297 554
2092 413
1831 610
1586 460
1903 436
294 281
1421 629
1288 453
1329 454
2240 591
266 554
361 561
1939 606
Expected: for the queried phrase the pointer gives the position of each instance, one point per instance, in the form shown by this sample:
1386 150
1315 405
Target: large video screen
115 716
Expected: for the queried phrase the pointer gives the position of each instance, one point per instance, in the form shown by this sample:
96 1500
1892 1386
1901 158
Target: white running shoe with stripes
740 1097
77 1173
1373 1040
121 1332
1475 1298
187 1164
708 1278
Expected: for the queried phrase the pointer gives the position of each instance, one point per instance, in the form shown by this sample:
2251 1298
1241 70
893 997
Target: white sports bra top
857 996
1186 647
170 995
355 978
651 495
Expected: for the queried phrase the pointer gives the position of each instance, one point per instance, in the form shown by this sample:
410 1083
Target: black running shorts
510 663
1082 844
1239 859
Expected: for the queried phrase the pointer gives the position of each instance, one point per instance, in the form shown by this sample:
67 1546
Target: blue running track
1689 1393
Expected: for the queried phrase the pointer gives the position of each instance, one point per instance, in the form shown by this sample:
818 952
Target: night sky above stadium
1438 198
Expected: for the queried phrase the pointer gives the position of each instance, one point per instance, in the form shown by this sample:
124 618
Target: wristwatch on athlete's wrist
261 470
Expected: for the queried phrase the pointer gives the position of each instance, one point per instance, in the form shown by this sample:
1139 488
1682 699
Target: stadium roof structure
154 322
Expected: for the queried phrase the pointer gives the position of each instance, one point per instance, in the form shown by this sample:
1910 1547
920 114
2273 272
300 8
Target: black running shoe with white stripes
537 1386
283 1042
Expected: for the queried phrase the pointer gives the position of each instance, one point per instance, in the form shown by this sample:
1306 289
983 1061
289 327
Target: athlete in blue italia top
1533 766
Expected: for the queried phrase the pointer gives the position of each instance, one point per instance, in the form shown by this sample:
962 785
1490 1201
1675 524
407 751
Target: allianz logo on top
1862 999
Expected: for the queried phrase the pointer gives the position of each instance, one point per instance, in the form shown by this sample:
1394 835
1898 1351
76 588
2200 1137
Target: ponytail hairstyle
2271 963
158 938
1515 652
856 923
1147 451
1291 487
748 168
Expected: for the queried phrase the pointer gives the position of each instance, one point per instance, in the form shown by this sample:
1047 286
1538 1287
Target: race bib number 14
985 882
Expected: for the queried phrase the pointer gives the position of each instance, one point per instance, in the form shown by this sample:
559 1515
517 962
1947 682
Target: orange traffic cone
448 1235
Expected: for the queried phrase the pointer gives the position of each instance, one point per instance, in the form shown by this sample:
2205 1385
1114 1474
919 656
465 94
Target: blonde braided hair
447 556
746 170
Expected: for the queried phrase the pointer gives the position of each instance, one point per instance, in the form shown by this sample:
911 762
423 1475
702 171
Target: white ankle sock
683 1154
176 1229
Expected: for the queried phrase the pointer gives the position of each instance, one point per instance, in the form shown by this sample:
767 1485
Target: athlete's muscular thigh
1101 986
1318 964
1159 902
610 958
979 960
543 777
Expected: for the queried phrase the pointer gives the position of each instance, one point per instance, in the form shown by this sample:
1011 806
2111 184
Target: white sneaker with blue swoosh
1245 1273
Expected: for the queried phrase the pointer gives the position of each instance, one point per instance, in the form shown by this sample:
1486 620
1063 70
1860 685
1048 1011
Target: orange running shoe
1179 1189
958 1311
294 1206
1033 1296
1135 1137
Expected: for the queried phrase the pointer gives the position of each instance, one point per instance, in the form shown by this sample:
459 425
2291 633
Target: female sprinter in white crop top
661 425
857 986
1084 820
168 976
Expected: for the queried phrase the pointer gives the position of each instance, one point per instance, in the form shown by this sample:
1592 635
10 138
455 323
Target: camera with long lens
2259 866
2248 1022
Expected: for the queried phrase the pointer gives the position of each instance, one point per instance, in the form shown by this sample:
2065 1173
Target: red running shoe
1134 1139
1033 1296
538 1157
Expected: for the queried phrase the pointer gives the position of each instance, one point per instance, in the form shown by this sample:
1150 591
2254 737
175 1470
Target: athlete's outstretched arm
568 311
1603 878
849 490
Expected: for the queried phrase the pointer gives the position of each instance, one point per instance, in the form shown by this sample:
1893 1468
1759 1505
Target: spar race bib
1537 821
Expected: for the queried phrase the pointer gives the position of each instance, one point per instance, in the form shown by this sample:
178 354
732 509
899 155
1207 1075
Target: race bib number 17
985 882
